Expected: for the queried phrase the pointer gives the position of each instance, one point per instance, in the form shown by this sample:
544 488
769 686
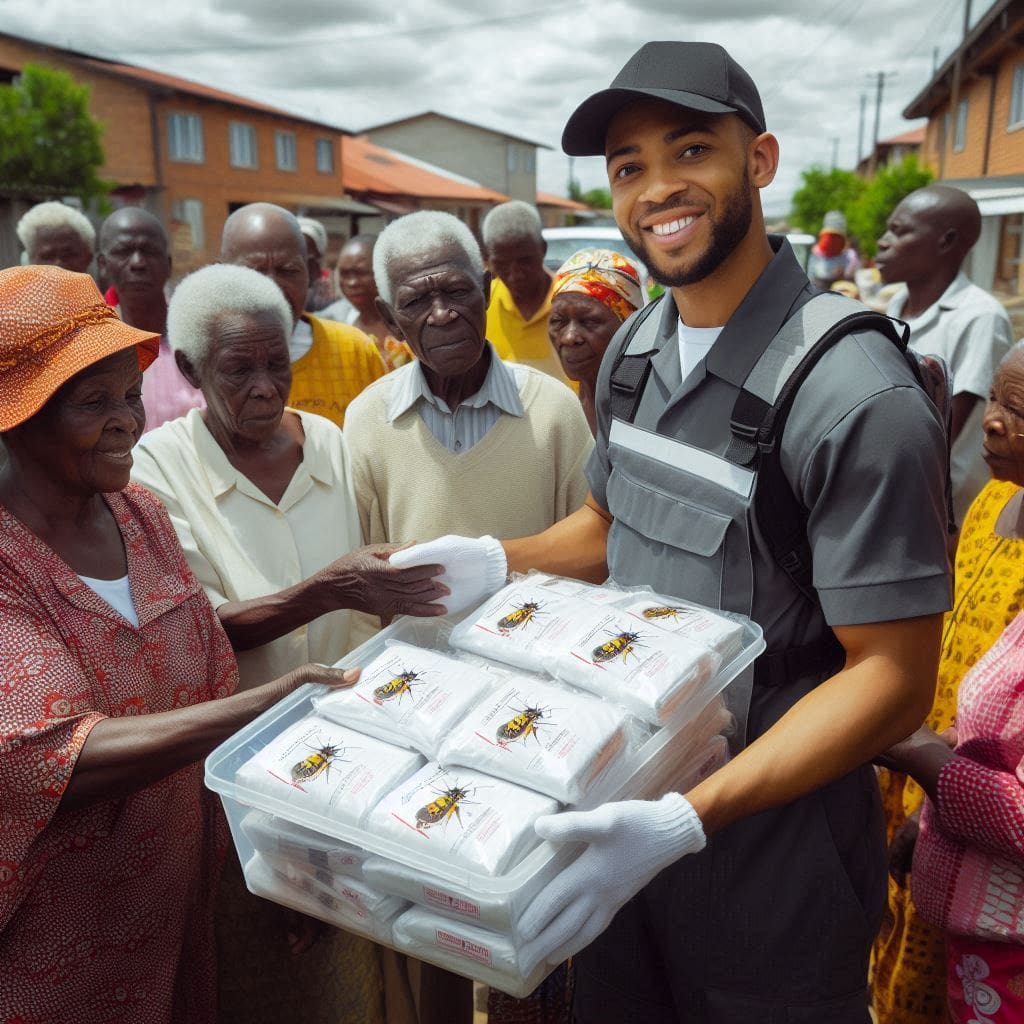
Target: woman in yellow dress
908 962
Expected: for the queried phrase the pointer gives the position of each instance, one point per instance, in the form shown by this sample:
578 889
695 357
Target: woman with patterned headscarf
594 292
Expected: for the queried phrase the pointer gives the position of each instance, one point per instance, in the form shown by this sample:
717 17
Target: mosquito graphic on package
615 645
317 764
525 722
398 686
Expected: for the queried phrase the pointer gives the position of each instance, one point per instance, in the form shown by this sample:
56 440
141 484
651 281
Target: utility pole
860 127
880 79
835 152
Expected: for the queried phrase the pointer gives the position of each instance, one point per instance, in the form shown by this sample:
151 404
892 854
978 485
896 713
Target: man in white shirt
926 240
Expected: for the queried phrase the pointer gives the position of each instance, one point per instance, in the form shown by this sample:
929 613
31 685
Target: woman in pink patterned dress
116 678
968 869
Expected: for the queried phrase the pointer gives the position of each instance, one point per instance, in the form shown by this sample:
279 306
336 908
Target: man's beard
726 235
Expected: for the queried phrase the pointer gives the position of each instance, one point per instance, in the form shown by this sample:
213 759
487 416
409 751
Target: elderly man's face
519 262
272 248
61 247
439 308
135 259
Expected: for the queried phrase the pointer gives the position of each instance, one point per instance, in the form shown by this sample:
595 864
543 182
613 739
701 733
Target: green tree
822 191
867 218
49 143
598 198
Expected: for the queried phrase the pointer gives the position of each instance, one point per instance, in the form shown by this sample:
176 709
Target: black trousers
771 924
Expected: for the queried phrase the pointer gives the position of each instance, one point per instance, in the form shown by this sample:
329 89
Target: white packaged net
461 817
544 736
274 883
464 948
275 836
516 625
702 625
329 769
407 695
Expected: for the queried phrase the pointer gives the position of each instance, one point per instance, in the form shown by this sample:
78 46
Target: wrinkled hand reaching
629 843
367 580
474 567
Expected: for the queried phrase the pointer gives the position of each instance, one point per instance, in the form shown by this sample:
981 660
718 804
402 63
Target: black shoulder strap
763 404
630 372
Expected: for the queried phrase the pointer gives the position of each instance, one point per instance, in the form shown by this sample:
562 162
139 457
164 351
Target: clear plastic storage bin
411 874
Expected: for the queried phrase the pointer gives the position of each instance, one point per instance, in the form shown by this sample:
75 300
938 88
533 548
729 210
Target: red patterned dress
105 911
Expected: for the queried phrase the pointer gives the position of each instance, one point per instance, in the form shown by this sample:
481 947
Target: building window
1017 98
513 158
185 137
242 144
287 158
960 136
530 161
325 156
190 212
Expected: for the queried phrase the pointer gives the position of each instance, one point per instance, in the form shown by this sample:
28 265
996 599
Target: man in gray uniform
754 897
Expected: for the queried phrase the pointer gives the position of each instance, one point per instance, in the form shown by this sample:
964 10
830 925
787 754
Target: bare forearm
874 702
576 546
253 623
122 755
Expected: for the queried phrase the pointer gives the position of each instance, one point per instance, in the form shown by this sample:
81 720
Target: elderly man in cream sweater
457 441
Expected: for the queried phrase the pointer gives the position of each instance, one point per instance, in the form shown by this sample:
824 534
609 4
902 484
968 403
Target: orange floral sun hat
53 324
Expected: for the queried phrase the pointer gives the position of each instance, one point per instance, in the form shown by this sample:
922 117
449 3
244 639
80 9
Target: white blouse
241 545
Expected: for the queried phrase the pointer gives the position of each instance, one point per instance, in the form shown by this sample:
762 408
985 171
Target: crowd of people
205 488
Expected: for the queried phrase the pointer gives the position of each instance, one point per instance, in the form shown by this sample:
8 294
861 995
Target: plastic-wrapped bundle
516 625
274 883
328 769
353 894
461 817
701 625
541 735
599 647
466 949
281 838
407 695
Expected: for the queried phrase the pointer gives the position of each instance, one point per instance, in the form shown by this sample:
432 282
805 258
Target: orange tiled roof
562 202
367 168
907 138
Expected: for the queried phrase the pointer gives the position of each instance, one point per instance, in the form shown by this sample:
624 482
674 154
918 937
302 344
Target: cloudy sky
356 64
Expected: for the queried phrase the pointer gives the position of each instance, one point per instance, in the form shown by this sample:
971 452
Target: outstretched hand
367 581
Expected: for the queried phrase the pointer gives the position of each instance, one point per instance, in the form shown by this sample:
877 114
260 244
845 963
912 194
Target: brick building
191 154
974 138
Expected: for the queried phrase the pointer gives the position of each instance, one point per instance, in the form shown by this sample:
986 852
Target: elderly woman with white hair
58 235
261 499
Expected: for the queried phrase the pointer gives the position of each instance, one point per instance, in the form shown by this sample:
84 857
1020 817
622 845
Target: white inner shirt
300 342
694 345
117 593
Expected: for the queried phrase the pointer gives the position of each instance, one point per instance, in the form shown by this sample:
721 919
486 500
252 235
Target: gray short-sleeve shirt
863 449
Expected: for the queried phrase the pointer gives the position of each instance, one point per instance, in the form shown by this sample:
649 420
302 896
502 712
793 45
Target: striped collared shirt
458 431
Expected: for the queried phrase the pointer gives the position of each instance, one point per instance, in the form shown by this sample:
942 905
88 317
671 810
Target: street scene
512 517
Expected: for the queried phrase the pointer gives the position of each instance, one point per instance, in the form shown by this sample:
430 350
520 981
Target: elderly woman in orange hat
593 293
117 678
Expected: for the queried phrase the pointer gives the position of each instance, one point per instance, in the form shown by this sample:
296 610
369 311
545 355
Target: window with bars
190 212
185 138
960 134
242 144
287 156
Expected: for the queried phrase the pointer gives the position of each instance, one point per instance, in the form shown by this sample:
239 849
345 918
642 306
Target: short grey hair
316 231
50 217
220 290
419 233
512 221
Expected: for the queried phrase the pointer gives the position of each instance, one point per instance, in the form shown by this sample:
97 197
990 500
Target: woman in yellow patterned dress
908 962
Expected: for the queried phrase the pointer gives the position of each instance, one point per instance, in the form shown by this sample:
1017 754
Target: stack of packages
435 767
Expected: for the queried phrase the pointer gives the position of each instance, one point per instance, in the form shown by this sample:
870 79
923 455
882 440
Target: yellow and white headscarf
604 275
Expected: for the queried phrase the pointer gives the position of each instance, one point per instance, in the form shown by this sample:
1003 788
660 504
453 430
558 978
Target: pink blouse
968 874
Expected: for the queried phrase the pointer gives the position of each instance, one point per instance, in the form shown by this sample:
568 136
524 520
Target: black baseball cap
697 76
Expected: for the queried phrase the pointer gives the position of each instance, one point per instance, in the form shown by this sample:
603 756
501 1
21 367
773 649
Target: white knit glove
630 842
474 568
